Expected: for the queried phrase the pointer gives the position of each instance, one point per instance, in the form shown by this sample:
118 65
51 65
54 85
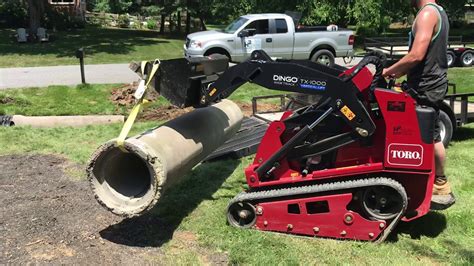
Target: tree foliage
455 8
13 13
113 6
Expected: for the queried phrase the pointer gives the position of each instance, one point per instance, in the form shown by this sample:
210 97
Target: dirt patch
188 241
262 107
168 112
47 216
123 96
163 113
7 100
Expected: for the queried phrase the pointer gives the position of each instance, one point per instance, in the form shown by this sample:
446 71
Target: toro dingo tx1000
350 166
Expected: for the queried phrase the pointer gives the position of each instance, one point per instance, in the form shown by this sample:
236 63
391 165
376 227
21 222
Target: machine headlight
195 44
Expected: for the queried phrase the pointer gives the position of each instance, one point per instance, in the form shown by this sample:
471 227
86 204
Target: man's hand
387 73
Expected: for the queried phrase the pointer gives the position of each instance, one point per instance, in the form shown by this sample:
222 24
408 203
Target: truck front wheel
212 51
446 128
324 57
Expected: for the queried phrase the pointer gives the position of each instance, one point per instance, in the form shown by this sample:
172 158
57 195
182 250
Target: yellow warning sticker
212 92
347 113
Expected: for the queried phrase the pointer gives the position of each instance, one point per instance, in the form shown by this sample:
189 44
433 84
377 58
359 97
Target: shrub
13 13
149 11
151 24
123 21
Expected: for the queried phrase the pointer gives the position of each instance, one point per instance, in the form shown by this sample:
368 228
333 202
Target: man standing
426 68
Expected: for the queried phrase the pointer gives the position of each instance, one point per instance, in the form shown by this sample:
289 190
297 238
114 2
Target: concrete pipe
130 183
64 121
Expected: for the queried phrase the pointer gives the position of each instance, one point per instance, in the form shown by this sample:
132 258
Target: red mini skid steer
350 166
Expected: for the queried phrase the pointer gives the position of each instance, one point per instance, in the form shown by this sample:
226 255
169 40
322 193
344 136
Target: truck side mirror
247 33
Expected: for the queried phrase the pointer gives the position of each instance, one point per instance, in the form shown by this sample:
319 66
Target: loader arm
296 76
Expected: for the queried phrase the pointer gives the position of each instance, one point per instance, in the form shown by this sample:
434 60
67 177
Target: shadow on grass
453 248
463 133
93 39
156 227
430 225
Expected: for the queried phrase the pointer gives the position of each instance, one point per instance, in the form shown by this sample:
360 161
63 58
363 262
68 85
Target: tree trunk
203 25
188 22
179 22
162 24
35 13
171 23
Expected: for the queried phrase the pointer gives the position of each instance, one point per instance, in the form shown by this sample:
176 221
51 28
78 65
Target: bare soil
48 216
262 108
123 96
162 113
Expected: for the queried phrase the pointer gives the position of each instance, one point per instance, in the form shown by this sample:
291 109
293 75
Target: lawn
102 46
463 78
438 238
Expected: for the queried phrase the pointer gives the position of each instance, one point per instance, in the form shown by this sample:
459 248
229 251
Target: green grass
59 100
102 45
77 144
216 26
463 78
248 91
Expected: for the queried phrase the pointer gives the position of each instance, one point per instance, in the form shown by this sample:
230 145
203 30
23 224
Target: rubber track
342 185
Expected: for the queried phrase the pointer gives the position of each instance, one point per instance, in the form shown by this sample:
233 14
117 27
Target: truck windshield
235 25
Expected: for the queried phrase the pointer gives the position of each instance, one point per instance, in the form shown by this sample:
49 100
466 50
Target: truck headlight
195 44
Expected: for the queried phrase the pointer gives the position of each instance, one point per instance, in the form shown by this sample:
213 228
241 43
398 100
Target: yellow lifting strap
140 103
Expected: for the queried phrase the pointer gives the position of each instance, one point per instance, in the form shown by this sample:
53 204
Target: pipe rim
110 197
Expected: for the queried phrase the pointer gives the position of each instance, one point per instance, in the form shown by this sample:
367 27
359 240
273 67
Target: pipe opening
124 182
127 174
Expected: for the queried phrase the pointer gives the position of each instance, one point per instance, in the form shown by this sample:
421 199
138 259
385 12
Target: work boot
442 197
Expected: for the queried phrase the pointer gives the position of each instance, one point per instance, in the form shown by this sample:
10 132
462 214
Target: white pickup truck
277 35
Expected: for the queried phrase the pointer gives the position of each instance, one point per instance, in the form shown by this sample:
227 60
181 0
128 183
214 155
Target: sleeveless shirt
432 71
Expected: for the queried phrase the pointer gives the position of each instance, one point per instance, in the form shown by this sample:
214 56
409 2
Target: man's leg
442 197
440 158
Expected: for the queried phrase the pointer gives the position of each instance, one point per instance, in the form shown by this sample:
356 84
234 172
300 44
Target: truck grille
187 42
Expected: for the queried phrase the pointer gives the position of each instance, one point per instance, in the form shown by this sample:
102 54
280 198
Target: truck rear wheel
467 58
451 58
446 128
324 57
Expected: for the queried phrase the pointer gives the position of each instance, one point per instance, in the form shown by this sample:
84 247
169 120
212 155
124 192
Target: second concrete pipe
130 183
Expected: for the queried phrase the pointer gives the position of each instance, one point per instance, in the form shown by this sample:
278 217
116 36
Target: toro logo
405 154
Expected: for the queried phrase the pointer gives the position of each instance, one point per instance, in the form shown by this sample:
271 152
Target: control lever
391 83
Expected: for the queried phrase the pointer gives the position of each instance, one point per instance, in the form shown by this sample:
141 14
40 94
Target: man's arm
426 27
